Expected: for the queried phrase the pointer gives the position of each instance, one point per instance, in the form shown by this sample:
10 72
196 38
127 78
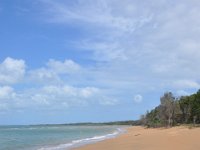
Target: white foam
77 143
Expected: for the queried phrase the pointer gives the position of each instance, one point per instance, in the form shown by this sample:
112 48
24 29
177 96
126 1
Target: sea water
53 137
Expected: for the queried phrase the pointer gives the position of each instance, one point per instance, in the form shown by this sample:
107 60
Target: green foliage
153 118
172 111
185 107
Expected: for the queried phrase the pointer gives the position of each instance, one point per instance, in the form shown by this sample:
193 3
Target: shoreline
140 138
96 139
87 140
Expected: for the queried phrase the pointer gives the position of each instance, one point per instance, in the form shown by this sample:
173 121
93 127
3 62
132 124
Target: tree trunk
194 120
169 121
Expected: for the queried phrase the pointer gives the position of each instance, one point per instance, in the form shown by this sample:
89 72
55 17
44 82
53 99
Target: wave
28 128
81 142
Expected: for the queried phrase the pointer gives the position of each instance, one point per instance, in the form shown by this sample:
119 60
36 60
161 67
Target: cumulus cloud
6 92
52 71
88 91
43 75
12 70
52 97
68 66
54 93
72 96
69 91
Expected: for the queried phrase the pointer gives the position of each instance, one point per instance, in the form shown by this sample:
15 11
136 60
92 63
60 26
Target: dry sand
139 138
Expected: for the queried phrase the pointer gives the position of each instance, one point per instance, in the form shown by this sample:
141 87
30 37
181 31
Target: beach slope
139 138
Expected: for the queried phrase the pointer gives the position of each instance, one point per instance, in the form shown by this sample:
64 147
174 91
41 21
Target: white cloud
51 98
54 68
68 66
119 20
6 92
69 92
158 36
138 98
7 95
55 92
108 101
11 70
109 14
88 91
109 50
40 99
136 45
43 75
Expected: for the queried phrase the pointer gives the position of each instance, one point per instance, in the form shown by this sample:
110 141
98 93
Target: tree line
173 111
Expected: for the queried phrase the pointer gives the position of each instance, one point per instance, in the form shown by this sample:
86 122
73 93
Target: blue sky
67 61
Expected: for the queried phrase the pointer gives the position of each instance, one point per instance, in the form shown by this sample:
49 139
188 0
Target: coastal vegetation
127 123
174 111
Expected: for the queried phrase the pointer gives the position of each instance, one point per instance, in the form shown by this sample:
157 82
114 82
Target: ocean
53 137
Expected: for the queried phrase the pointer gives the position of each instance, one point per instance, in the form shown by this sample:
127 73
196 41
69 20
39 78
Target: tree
171 111
167 107
152 118
143 119
185 107
195 110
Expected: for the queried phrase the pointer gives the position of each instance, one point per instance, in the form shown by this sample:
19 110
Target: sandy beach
139 138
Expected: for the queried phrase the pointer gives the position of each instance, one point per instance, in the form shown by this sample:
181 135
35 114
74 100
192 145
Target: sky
64 61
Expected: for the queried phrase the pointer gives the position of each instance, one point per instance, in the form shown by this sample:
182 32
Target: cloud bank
134 47
46 88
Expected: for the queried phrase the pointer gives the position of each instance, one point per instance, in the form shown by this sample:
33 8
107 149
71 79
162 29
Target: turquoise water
53 137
